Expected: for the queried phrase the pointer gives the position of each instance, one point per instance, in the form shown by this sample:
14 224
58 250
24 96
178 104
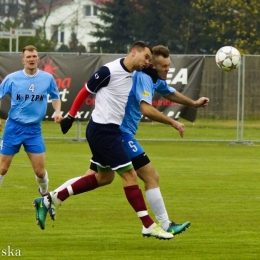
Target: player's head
139 56
161 60
30 59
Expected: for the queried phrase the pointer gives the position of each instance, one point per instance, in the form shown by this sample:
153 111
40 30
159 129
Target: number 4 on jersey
31 87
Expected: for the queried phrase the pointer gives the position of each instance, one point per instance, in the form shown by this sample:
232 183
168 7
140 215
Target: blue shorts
16 134
133 148
105 142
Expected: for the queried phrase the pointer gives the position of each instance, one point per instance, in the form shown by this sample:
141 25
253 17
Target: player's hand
180 127
202 102
66 124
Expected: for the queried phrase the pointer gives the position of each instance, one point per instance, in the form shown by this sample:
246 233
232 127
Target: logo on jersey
146 94
30 97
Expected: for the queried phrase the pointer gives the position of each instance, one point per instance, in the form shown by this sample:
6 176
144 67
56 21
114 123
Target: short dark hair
140 45
161 50
29 48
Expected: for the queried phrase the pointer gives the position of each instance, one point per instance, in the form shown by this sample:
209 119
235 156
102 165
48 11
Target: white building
71 16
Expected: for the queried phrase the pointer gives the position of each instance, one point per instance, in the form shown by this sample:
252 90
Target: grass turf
213 185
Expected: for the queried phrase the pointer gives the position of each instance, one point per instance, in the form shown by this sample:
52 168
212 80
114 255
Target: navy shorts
15 135
105 142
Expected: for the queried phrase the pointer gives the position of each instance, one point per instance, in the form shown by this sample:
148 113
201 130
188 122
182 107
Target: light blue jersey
143 89
28 95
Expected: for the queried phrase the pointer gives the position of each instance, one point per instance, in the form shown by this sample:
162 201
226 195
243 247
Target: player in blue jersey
140 103
111 84
28 89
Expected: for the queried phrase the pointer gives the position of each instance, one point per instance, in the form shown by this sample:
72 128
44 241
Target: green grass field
214 185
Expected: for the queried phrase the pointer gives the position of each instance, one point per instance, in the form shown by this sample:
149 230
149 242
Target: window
95 11
62 34
88 10
54 32
91 10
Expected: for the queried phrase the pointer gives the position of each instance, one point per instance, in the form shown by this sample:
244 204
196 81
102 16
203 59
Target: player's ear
133 51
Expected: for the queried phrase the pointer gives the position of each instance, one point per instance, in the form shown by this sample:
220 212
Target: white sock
156 203
66 184
43 182
1 179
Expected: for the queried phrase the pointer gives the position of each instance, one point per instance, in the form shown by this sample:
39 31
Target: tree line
184 26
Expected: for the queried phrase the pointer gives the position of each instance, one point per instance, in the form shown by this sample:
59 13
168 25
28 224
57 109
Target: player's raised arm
94 84
179 98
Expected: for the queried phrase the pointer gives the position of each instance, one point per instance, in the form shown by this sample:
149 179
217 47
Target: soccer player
140 103
111 84
28 89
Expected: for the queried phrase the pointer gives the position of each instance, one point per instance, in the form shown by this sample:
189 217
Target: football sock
1 179
136 200
67 183
43 182
155 200
83 184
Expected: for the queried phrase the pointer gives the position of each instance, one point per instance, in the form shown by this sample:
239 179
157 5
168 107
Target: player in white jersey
28 89
111 84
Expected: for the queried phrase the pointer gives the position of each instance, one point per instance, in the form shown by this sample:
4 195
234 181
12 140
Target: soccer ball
228 58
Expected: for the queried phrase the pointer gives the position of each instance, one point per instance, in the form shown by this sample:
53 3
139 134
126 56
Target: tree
74 45
152 21
114 35
185 26
230 22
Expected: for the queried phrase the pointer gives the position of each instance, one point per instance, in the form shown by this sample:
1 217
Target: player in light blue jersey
29 89
140 104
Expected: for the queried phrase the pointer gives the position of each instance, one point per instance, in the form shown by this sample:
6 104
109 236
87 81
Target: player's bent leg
136 200
149 176
153 195
104 176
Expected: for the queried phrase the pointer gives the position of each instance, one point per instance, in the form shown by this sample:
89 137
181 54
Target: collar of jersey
31 76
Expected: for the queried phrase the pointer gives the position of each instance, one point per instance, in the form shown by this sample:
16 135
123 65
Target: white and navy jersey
142 90
28 95
111 84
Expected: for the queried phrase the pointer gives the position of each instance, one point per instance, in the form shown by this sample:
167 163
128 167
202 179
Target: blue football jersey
28 95
143 89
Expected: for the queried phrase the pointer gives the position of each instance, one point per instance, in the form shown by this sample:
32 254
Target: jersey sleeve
143 87
163 89
53 90
5 87
98 80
